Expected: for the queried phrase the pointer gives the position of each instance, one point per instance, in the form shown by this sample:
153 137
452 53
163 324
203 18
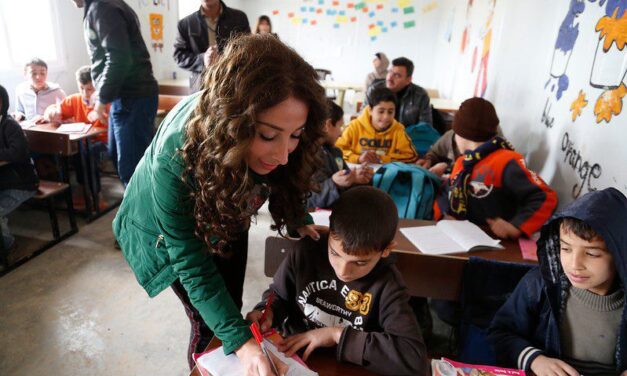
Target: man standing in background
202 35
122 73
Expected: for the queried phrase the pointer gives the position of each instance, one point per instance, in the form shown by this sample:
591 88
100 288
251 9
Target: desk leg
86 179
93 180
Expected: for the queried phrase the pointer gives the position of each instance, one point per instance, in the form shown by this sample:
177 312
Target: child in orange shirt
79 108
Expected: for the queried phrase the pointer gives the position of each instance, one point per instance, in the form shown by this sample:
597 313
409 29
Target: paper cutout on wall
156 31
477 37
578 104
429 7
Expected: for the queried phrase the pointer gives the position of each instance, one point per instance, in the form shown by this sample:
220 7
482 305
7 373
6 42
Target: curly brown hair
255 73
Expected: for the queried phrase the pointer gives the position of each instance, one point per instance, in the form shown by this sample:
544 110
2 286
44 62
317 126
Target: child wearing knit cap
567 317
489 183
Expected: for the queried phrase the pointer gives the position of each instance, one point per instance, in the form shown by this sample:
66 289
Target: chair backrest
277 249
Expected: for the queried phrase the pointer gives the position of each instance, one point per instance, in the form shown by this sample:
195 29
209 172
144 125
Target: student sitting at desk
79 108
375 136
344 290
567 317
490 183
334 176
36 94
18 180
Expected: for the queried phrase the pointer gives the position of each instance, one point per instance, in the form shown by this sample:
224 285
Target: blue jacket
528 323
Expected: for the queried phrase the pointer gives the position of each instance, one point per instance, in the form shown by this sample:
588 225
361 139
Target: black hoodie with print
19 172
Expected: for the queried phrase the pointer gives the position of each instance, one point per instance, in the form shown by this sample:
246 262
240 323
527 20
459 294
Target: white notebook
219 364
449 236
74 128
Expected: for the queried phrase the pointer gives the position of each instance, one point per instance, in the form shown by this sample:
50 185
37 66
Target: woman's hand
313 231
545 366
255 362
503 229
255 316
323 337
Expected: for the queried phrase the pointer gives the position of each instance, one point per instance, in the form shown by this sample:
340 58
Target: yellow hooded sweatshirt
391 145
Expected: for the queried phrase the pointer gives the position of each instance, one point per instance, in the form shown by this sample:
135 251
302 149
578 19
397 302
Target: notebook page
431 240
467 234
219 364
73 128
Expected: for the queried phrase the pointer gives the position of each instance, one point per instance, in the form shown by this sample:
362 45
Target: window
28 29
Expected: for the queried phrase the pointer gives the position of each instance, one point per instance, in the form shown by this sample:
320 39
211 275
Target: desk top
341 85
52 128
446 105
322 360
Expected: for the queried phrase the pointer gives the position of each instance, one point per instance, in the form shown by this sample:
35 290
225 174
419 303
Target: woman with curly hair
252 134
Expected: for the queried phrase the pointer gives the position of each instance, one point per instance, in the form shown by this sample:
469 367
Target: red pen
265 309
254 328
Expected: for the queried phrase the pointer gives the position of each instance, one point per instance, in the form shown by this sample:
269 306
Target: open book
74 127
449 236
215 363
447 367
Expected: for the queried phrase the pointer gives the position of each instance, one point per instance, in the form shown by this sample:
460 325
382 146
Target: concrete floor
77 310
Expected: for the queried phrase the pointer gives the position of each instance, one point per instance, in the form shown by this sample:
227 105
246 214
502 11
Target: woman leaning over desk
250 135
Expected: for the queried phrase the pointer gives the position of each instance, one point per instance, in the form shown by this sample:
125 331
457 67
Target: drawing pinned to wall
156 31
609 66
339 14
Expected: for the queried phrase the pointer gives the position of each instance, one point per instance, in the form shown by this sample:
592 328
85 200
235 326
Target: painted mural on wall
591 89
373 17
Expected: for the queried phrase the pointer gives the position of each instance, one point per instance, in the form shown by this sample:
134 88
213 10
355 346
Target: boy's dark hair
381 94
364 219
335 112
83 75
35 61
404 62
579 228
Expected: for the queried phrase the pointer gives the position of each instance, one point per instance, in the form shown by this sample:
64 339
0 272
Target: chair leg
53 218
70 210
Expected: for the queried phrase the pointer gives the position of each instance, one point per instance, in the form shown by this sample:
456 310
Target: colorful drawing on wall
399 14
156 31
578 104
610 53
482 76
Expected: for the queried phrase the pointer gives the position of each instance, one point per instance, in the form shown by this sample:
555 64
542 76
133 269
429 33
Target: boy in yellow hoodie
375 137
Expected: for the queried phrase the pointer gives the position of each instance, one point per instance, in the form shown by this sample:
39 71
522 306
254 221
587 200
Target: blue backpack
412 188
422 136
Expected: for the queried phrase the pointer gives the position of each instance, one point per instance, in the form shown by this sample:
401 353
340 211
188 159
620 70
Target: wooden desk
445 105
45 139
321 360
341 89
174 87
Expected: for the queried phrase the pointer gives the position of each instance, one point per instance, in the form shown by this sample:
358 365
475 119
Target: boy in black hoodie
18 180
567 317
344 290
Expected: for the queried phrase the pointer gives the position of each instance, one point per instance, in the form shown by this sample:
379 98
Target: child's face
587 264
277 134
264 27
37 76
350 268
382 115
333 131
86 90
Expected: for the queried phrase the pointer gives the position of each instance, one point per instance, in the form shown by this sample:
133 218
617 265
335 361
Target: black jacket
414 105
329 192
528 323
192 39
380 330
19 173
121 65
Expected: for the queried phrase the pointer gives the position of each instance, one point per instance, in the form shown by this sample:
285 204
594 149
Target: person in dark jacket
345 291
122 73
567 317
334 176
414 105
18 180
202 36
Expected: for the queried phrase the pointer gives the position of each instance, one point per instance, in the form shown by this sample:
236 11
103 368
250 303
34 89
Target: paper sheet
374 166
449 237
219 364
74 128
321 217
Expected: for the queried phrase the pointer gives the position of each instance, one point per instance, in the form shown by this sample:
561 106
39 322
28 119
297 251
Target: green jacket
155 228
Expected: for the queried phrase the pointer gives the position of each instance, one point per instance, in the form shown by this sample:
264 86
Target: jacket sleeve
17 146
184 55
189 256
398 349
109 26
345 143
425 109
329 193
513 325
402 150
440 150
536 200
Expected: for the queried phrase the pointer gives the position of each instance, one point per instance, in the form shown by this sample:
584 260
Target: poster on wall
156 31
